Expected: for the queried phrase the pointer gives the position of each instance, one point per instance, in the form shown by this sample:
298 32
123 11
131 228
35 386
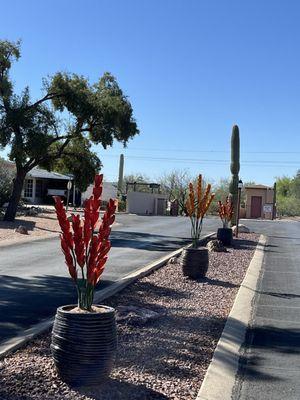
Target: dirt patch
164 359
43 225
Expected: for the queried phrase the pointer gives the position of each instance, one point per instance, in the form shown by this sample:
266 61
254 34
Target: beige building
259 201
146 203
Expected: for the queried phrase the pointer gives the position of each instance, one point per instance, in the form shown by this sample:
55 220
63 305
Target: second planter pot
84 345
225 236
194 262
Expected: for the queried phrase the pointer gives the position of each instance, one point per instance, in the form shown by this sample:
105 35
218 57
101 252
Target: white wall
143 203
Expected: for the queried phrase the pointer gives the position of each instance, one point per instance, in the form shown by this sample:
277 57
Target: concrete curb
15 343
220 377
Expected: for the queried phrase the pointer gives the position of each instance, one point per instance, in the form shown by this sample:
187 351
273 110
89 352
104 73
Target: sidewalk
270 366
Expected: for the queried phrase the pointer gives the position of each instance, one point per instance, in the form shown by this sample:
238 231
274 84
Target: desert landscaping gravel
165 358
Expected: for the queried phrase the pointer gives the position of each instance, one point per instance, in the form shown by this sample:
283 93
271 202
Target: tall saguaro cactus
235 169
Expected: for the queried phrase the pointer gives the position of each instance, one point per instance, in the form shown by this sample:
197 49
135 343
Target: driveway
34 280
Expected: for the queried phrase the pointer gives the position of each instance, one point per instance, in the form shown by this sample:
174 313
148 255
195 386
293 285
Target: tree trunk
16 196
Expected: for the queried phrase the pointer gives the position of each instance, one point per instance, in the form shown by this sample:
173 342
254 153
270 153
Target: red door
256 202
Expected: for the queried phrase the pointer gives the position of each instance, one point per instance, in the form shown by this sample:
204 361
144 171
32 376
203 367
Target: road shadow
243 244
284 237
29 225
147 241
25 302
114 389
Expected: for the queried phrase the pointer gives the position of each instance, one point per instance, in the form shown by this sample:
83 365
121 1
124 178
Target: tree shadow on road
25 302
147 241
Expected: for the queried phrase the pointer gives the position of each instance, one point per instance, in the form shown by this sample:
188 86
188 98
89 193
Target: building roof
257 187
44 174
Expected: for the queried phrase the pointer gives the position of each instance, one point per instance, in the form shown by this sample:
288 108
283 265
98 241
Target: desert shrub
288 206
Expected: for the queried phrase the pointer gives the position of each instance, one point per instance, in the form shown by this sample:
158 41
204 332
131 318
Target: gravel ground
165 359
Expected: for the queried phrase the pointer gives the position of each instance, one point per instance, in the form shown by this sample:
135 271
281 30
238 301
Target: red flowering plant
225 211
84 245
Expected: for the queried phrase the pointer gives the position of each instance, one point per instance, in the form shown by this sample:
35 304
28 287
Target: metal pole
121 173
69 186
68 196
274 202
238 213
74 194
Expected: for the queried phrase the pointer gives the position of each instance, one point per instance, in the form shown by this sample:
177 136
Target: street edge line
13 344
220 376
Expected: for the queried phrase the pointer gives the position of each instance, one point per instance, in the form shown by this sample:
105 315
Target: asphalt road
34 279
270 367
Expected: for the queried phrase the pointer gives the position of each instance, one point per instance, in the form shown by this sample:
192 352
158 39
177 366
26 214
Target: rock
216 245
135 315
242 229
22 229
173 260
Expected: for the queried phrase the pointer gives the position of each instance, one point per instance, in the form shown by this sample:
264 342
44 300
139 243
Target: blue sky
191 69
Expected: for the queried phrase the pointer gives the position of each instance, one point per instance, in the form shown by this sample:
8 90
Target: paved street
270 369
34 280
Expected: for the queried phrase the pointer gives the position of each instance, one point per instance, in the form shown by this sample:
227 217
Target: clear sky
191 69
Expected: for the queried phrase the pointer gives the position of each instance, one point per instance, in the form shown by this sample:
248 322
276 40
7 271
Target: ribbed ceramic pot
194 262
84 345
225 236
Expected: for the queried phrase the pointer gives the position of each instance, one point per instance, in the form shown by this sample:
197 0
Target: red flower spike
81 246
98 180
78 240
225 211
68 258
63 221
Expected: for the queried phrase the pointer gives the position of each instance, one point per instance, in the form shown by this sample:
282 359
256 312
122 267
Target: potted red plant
84 335
194 259
225 212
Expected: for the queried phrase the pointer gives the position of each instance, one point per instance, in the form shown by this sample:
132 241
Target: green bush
122 206
288 206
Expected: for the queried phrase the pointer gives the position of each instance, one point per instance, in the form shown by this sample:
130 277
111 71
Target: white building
40 185
147 203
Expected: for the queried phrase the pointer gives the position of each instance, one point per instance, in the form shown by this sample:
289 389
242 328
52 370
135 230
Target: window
28 188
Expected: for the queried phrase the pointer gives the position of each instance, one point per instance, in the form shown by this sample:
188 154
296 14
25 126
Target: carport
40 185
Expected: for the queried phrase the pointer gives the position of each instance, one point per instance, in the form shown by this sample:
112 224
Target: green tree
176 185
7 173
288 195
295 185
84 169
284 186
136 178
37 132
